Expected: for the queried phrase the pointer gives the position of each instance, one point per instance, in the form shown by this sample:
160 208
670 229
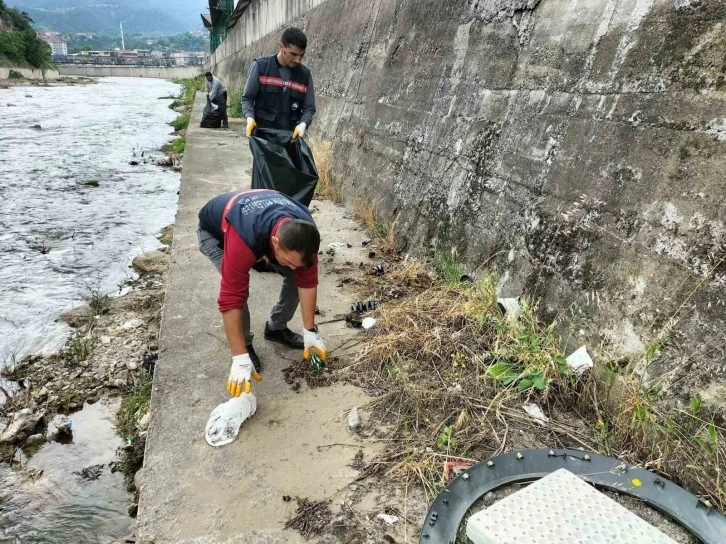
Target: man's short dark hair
294 36
301 237
208 74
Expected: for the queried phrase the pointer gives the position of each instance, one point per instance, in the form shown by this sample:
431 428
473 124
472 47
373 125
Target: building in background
58 44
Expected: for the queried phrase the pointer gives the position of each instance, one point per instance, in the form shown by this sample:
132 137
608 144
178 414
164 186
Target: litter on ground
226 419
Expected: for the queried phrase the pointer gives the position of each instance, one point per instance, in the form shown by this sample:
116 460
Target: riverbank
110 355
10 77
109 199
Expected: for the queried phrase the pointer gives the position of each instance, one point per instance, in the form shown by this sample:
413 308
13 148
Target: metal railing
121 61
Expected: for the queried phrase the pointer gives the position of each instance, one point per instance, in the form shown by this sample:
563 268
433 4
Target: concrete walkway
195 493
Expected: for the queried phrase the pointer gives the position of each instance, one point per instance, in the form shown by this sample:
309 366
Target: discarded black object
448 510
378 269
354 320
367 241
211 117
149 362
64 434
466 278
365 306
371 254
283 164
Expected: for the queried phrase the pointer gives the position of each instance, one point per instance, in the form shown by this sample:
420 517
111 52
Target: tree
37 52
12 48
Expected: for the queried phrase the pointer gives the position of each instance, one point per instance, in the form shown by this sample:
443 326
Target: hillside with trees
19 44
184 41
104 16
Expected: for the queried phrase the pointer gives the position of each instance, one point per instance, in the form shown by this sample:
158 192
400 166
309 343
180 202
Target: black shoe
284 336
254 358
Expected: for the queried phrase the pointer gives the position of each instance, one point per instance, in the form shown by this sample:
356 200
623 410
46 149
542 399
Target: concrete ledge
30 73
160 72
195 493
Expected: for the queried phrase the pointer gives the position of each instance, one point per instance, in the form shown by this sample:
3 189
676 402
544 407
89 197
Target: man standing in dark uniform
279 91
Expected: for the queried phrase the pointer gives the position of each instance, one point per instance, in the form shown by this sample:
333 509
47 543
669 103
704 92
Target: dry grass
451 373
384 233
323 153
364 210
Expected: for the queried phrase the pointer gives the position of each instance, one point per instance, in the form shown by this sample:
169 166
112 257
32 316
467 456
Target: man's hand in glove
313 341
299 131
251 126
240 375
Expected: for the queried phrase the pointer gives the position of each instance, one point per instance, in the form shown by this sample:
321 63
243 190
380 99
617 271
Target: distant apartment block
58 44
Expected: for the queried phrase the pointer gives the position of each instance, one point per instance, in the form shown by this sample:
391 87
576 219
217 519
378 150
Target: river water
73 213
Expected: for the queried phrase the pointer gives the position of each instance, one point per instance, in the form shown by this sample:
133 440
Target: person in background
217 93
279 91
236 230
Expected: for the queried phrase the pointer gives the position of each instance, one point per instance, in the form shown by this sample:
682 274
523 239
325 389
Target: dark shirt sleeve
309 107
307 278
236 264
251 88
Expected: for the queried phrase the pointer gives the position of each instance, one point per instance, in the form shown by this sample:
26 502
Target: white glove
251 126
299 131
241 374
313 341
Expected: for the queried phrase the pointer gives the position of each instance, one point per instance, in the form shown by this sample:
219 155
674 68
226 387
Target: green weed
447 266
181 122
78 350
446 439
177 146
234 108
97 301
133 408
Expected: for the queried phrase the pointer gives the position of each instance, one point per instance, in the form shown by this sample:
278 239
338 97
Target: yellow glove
313 342
299 131
251 126
241 374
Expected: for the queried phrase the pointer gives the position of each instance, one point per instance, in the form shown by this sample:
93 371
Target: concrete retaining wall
577 146
29 73
261 18
92 70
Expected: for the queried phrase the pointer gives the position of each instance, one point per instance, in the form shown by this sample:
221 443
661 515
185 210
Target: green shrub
181 122
234 108
177 146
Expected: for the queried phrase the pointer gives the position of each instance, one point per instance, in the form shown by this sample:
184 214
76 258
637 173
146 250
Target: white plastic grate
560 509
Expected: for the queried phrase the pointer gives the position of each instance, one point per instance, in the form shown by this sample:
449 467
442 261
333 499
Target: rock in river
153 261
23 422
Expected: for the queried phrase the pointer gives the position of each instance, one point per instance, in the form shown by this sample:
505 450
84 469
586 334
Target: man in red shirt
235 231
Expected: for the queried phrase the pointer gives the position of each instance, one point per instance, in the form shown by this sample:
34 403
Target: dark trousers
221 102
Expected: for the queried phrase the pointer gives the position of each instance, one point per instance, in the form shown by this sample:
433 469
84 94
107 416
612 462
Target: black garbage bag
211 118
283 164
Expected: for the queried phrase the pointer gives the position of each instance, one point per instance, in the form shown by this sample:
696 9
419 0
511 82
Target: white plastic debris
353 419
510 308
226 419
368 322
579 361
125 291
388 519
132 324
337 245
536 412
